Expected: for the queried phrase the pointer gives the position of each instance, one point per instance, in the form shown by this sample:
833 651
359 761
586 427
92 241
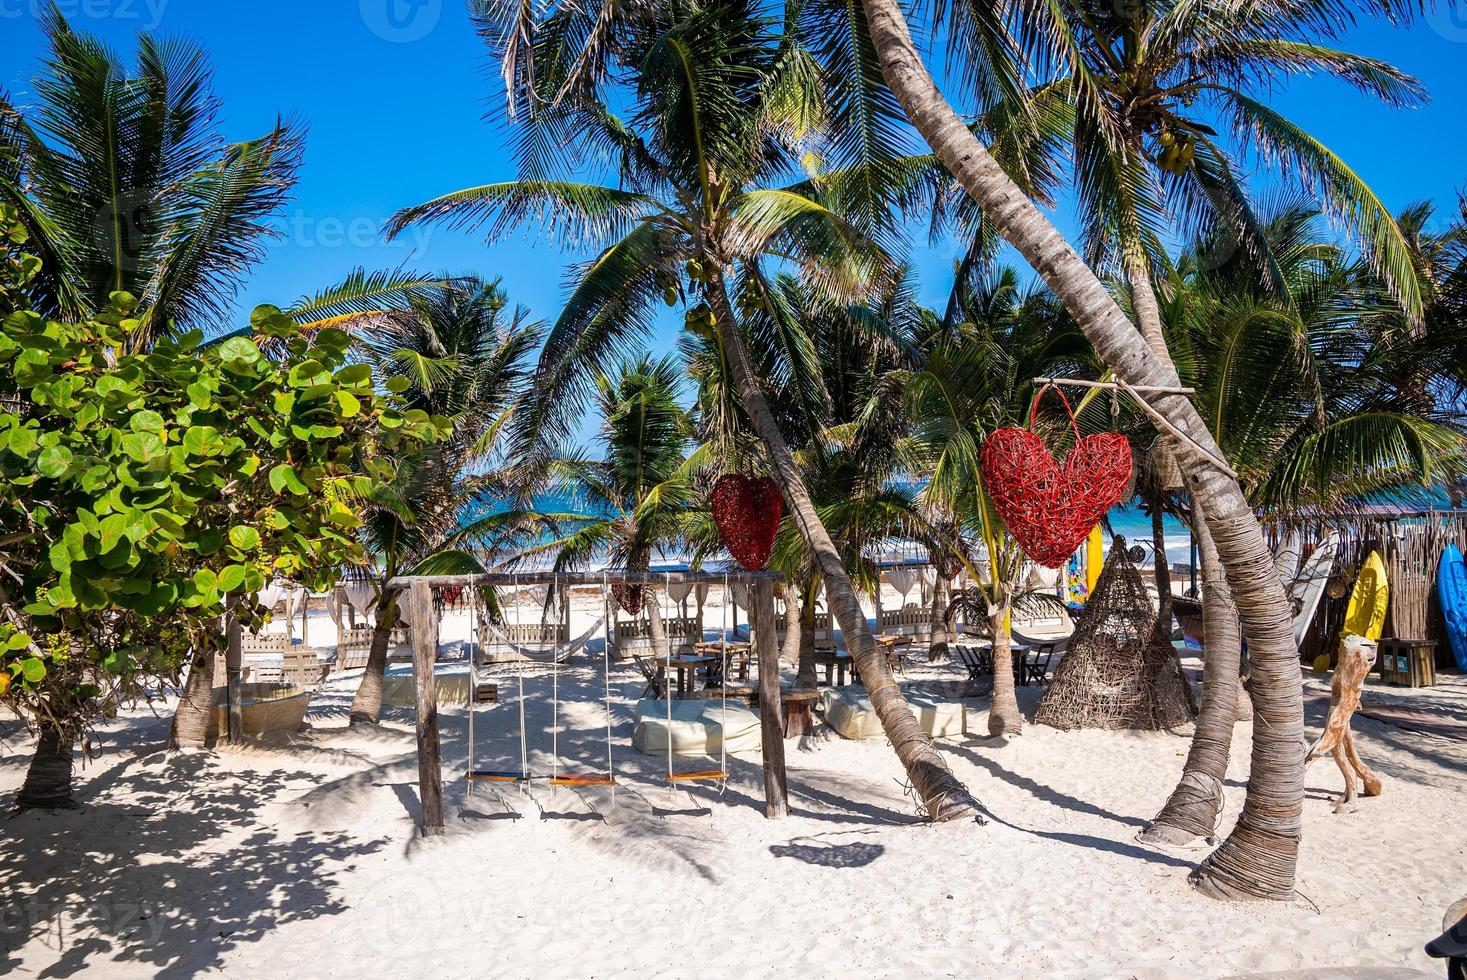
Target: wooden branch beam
569 579
425 653
1113 386
771 720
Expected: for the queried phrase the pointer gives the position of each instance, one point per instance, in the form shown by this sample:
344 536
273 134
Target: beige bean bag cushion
849 711
698 728
397 687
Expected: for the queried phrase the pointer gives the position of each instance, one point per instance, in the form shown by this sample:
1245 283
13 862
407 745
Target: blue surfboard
1451 586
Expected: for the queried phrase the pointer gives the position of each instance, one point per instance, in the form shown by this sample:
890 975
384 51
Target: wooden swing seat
583 779
709 775
497 776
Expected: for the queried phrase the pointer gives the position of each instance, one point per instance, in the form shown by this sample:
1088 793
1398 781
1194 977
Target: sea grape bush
142 492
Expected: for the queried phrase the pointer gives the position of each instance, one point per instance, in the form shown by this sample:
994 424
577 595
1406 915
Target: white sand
300 858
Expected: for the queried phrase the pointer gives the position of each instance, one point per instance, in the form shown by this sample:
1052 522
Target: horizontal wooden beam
1111 386
568 579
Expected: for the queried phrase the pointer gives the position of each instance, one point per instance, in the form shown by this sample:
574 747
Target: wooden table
836 663
685 667
737 652
798 719
1018 652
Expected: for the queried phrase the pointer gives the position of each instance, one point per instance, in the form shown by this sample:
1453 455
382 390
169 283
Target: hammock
537 650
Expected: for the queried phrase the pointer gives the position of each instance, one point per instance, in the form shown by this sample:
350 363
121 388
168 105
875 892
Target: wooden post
425 652
233 671
771 720
305 618
876 598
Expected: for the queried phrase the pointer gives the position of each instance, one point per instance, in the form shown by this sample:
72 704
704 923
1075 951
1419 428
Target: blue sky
394 93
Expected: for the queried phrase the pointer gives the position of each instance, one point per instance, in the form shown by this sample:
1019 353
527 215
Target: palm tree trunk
805 674
1143 300
1193 808
1004 716
937 651
47 783
366 706
943 796
794 616
196 702
1260 856
1162 572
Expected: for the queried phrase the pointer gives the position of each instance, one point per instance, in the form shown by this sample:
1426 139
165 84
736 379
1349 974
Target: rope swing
606 778
523 776
719 775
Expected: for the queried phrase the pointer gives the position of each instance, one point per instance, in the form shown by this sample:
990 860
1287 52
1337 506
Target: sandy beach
298 857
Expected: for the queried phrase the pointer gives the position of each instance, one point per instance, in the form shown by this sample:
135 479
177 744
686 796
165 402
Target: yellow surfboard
1094 558
1367 610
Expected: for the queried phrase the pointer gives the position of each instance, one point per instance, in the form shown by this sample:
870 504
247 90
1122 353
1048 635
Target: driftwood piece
1338 739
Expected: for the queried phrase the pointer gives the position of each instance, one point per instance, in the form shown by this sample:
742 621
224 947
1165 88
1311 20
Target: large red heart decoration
747 511
1050 507
629 597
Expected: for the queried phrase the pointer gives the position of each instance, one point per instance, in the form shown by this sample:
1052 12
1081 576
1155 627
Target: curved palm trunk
366 706
1004 716
1259 857
1195 804
48 779
943 796
195 703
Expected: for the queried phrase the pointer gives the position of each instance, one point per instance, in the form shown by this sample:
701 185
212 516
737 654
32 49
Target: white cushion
849 711
699 727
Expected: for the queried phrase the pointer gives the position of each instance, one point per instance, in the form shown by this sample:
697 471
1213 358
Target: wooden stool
798 719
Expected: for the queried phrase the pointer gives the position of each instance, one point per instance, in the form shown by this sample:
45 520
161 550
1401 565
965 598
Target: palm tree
718 112
466 356
1321 399
125 183
1259 857
821 361
637 499
976 375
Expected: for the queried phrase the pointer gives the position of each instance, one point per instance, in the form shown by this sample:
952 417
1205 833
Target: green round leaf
54 462
244 538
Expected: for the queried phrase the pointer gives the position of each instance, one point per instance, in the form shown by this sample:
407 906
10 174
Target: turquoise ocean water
1125 520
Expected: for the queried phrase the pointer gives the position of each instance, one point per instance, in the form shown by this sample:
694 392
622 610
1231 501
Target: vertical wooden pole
233 670
877 600
425 652
305 618
771 720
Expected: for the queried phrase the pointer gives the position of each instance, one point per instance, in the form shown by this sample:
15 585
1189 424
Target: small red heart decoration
629 597
1050 507
747 511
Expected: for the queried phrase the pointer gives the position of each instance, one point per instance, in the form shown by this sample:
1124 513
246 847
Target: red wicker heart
747 511
1050 507
629 597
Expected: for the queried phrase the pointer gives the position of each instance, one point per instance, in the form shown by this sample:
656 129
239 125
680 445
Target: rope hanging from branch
1135 391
